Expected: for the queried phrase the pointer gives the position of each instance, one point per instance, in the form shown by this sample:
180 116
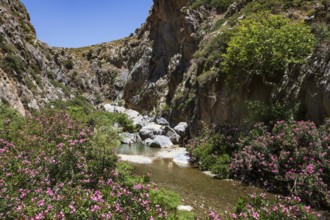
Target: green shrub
9 117
65 89
321 31
260 112
219 4
265 45
213 150
165 198
13 63
185 215
68 64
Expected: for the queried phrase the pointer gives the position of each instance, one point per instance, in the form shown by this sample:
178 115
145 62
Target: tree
265 45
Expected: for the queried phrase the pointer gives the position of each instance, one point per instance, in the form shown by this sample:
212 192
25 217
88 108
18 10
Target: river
196 189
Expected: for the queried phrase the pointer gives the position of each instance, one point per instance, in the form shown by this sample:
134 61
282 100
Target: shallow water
195 188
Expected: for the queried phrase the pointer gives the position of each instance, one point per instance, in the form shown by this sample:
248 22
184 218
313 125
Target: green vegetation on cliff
265 45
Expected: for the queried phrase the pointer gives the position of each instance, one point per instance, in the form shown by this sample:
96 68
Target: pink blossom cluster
293 158
51 169
257 207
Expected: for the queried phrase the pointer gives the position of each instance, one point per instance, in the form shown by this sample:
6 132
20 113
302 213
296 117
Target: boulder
185 208
162 121
181 159
159 141
172 135
182 129
114 109
150 130
147 141
141 121
127 138
132 114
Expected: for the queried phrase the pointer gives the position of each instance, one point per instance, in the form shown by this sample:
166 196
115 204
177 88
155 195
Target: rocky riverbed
152 131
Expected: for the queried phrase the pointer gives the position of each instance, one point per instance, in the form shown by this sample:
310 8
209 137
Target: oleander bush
258 207
292 158
51 167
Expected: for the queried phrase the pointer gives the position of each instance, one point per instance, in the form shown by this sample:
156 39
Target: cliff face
168 40
24 61
154 71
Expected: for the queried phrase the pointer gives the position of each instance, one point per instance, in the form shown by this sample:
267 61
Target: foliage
258 207
165 198
213 151
260 112
213 50
65 89
265 45
50 168
9 117
68 64
81 110
221 4
322 31
292 158
13 63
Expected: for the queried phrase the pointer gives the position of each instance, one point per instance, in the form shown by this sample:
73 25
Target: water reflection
197 189
136 149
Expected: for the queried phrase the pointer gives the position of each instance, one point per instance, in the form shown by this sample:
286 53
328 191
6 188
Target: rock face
24 63
167 42
152 72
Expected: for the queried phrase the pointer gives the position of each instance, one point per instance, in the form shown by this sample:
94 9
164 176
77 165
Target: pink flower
243 214
95 208
255 215
73 209
41 202
310 168
139 186
307 208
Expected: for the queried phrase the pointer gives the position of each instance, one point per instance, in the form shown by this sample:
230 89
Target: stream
196 189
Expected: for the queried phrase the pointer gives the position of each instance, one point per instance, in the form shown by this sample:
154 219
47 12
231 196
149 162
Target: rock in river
159 141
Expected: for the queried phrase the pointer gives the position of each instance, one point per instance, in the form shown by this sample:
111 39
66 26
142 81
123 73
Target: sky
78 23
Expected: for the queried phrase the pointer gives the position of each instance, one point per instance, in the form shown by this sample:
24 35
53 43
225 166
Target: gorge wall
156 70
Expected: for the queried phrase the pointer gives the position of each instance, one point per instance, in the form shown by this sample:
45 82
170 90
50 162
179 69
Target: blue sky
77 23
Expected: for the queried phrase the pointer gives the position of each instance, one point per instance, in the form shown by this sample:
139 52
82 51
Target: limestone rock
182 129
159 141
171 133
128 138
150 130
161 121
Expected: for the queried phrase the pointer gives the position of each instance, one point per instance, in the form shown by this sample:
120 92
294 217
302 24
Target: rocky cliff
158 69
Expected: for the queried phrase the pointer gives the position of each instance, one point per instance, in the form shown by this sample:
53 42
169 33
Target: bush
292 158
260 112
13 64
9 118
50 168
257 207
213 150
68 64
219 4
265 45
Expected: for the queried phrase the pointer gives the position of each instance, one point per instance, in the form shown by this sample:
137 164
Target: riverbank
198 190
